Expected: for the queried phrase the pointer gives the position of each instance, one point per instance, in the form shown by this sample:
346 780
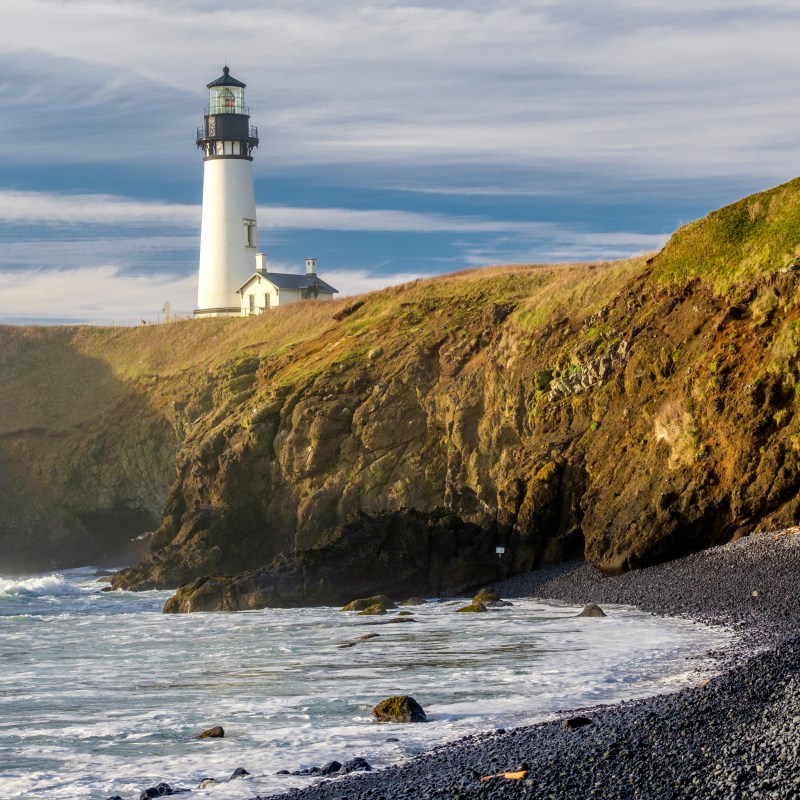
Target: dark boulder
217 732
400 708
239 772
161 790
356 765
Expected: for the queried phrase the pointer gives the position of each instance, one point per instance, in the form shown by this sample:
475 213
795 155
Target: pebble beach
736 735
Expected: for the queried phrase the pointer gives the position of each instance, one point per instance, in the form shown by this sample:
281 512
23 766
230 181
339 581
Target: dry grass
674 426
72 373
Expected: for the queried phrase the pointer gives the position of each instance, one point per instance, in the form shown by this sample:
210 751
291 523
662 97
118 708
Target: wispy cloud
73 210
644 87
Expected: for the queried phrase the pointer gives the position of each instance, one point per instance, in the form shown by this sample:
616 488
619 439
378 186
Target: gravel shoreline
735 736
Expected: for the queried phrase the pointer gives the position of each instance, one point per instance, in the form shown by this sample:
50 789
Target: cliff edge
630 411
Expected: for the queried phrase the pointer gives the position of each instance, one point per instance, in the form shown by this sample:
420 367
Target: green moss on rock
400 708
365 602
473 608
377 608
486 596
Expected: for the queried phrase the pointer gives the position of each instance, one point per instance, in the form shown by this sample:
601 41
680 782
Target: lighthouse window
228 101
250 233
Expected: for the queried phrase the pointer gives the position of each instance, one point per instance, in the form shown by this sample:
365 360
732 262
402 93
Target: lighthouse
228 232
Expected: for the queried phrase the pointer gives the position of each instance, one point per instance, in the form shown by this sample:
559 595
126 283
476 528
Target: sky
397 139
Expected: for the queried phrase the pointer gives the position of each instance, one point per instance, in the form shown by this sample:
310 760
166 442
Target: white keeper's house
234 279
264 289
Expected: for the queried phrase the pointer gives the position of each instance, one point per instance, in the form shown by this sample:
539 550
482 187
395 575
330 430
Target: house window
252 299
266 300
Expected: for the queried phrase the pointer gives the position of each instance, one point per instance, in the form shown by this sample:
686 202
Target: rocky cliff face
631 412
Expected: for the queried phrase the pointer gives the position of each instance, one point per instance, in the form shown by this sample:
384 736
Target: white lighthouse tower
228 233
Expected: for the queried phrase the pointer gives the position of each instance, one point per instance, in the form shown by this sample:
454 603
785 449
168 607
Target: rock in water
217 732
490 599
414 601
369 611
400 708
592 610
473 608
364 603
160 790
239 772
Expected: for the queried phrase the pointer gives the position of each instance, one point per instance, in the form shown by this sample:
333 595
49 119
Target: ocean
101 694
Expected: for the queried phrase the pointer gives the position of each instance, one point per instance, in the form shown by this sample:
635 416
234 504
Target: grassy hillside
736 244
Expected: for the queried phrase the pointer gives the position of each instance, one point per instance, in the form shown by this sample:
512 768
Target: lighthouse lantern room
228 232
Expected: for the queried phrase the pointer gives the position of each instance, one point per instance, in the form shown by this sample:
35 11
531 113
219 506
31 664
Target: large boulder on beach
400 708
356 764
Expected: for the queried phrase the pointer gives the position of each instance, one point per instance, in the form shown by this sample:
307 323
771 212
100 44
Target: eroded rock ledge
398 553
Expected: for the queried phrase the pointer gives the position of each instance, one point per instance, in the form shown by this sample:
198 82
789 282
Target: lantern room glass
226 100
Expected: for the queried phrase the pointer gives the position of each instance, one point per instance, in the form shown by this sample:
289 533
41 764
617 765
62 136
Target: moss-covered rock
473 608
486 596
401 708
374 610
365 602
404 614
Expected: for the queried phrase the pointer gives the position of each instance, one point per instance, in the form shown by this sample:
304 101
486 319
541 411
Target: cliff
630 411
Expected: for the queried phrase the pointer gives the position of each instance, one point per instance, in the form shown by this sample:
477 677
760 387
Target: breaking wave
40 586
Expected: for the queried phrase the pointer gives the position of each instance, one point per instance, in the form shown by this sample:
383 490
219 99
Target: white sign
499 550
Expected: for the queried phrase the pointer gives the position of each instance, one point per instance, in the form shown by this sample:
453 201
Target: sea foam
102 694
55 585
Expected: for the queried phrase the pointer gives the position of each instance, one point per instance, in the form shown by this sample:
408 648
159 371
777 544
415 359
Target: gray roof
284 281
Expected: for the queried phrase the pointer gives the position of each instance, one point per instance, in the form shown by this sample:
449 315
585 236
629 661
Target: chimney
261 262
311 266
